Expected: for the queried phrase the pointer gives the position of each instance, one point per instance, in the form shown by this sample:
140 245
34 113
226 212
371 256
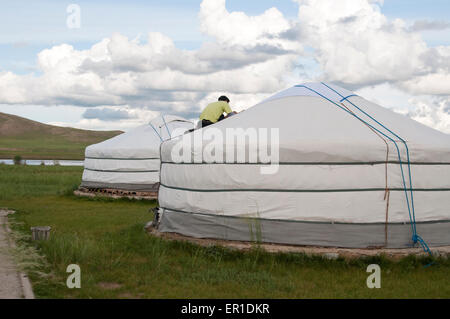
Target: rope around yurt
156 132
415 237
170 136
386 186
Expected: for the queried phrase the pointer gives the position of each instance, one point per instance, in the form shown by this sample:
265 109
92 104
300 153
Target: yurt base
115 193
327 252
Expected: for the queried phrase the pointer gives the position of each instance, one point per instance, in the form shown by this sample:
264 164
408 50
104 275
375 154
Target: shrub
17 160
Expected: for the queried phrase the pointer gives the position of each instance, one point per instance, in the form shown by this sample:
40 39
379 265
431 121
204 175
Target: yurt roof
140 142
319 122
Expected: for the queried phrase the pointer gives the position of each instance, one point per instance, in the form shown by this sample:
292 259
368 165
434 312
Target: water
46 162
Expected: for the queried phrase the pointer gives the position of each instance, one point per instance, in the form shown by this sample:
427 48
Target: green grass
119 260
22 181
47 147
36 147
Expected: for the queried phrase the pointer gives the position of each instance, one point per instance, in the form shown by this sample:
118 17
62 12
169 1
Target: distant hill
34 140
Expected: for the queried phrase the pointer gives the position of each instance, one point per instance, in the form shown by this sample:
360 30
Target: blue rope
423 244
344 98
156 132
170 136
415 237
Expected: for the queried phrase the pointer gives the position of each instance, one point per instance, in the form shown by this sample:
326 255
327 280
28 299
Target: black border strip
349 190
302 221
312 163
108 171
123 159
151 187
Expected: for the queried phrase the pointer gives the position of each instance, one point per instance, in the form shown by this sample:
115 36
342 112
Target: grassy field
119 260
34 140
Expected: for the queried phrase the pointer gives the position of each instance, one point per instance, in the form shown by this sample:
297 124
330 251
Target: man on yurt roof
213 112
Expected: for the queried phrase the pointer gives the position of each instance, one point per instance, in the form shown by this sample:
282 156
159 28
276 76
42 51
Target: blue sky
29 27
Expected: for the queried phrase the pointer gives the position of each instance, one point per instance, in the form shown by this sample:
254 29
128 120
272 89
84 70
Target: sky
115 65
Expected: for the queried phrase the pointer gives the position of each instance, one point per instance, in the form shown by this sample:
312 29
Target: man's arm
227 108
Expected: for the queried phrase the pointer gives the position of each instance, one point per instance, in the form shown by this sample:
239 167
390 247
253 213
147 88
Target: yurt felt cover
339 182
130 161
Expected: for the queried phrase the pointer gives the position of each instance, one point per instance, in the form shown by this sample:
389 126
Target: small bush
17 160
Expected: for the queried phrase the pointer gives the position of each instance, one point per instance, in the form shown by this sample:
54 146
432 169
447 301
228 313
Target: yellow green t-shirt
213 111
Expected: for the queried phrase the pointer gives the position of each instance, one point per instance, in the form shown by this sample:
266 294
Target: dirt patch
109 285
327 252
10 149
13 282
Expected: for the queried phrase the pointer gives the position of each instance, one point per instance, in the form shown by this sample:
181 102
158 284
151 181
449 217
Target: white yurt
130 161
350 174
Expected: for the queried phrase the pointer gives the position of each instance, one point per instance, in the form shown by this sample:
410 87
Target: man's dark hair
224 98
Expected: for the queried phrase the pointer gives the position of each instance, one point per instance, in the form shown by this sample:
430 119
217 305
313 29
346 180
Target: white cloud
426 25
387 95
434 112
435 83
239 29
155 73
438 80
109 114
245 57
356 44
96 124
111 118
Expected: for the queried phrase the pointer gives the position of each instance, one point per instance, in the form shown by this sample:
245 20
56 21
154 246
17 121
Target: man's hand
231 114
